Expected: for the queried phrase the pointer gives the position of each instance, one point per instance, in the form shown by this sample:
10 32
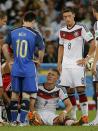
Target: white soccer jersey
73 42
47 100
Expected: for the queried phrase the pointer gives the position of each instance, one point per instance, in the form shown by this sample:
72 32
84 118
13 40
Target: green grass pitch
55 128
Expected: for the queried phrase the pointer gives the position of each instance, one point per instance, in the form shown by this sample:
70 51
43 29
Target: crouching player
47 99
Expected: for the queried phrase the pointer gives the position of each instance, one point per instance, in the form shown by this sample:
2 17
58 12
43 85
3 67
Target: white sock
73 112
84 108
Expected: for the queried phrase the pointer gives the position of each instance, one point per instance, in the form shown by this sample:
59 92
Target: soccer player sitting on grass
47 99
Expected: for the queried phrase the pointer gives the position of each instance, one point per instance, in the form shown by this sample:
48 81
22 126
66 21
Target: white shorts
1 84
47 117
72 77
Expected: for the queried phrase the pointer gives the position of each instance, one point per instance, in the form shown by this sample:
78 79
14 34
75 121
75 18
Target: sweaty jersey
73 42
23 41
47 100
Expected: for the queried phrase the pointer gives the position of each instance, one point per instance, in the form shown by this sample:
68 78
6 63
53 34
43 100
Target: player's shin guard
74 104
14 110
24 109
83 103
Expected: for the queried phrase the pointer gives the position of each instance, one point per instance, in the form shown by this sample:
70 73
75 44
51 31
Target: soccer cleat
83 121
13 123
93 123
23 124
2 122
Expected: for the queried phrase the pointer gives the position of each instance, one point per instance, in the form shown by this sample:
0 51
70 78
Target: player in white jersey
47 99
95 66
71 42
3 19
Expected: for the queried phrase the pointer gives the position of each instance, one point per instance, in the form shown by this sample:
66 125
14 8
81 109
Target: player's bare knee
25 95
97 86
70 90
80 89
14 96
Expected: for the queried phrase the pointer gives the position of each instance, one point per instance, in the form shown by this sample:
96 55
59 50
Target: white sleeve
62 93
61 40
96 30
86 34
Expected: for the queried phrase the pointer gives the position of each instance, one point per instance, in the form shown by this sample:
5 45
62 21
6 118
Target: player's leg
96 94
32 101
79 83
83 100
95 83
71 95
97 101
25 106
14 98
29 85
14 106
66 81
95 121
1 93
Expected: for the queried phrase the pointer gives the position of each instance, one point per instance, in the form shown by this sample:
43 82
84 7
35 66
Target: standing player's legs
79 83
95 83
29 85
71 95
66 81
1 93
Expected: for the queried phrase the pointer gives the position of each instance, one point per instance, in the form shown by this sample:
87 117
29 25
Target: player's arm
96 52
33 116
63 95
41 47
6 46
60 53
88 37
60 57
95 61
6 52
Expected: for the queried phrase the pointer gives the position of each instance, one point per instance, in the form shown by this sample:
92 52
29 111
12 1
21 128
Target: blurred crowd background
48 19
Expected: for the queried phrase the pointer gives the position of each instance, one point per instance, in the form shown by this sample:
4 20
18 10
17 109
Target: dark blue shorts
24 84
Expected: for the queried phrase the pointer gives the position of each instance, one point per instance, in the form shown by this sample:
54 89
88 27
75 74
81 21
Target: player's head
3 18
68 16
53 76
95 9
29 18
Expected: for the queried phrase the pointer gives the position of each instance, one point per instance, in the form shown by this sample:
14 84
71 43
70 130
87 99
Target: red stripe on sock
96 94
73 100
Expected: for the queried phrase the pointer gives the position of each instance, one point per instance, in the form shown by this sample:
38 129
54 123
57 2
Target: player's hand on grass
34 118
62 116
59 67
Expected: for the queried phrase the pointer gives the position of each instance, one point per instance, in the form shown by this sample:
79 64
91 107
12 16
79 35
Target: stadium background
48 22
